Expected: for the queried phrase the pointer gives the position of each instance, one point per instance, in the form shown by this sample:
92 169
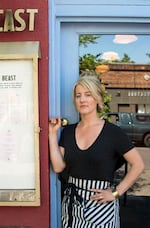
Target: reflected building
129 86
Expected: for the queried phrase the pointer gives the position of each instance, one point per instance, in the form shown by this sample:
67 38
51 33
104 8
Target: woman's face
84 101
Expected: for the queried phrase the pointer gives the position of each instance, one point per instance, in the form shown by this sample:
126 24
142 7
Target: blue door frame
68 19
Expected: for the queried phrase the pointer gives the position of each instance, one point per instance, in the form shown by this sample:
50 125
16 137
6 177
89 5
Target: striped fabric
78 211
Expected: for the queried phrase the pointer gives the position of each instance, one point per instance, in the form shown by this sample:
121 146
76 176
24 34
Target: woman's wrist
52 134
115 193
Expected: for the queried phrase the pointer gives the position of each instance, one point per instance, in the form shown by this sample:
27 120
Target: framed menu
19 128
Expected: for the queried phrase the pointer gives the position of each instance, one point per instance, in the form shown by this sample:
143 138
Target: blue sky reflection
115 46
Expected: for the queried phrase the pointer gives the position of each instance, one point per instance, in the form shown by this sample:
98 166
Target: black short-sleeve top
98 162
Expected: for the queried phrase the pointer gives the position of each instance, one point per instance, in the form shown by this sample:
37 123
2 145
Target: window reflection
123 64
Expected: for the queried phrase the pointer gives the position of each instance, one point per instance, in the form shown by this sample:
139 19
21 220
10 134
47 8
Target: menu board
17 169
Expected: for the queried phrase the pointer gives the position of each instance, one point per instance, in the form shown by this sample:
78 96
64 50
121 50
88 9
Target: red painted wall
35 217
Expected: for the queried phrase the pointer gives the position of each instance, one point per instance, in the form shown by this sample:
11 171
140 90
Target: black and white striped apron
78 211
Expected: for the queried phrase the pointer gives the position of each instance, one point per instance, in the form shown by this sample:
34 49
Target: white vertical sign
17 169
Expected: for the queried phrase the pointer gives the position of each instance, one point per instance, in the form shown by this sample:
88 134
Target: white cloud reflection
110 55
125 39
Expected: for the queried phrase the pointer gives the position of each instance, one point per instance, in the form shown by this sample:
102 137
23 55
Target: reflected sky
115 46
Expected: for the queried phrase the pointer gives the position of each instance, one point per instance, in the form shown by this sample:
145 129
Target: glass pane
122 62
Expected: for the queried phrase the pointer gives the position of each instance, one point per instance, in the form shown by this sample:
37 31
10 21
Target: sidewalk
136 212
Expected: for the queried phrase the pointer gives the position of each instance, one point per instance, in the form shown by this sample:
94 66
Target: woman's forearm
56 155
130 178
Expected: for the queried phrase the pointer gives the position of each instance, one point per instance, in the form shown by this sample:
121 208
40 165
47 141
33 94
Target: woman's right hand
56 152
54 125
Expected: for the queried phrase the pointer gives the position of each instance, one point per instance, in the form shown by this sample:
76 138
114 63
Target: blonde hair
92 83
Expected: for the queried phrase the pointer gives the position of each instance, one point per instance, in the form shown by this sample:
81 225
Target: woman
89 150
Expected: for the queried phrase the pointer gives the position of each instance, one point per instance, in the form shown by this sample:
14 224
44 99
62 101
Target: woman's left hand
102 195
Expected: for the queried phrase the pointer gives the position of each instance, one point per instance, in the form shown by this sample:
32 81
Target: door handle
64 122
